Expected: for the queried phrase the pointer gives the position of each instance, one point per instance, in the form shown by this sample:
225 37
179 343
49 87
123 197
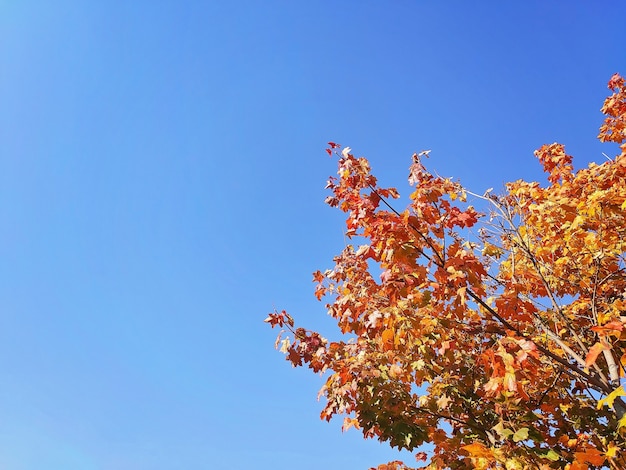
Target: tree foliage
496 336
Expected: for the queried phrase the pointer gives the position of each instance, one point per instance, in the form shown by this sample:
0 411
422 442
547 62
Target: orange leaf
478 450
593 353
578 466
614 327
591 456
388 339
349 422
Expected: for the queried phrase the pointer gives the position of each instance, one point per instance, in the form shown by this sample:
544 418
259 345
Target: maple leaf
520 435
611 450
610 398
477 449
443 402
349 422
373 319
331 147
591 456
387 337
594 352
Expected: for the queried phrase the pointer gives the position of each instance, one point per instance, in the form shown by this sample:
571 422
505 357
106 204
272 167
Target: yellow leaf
610 398
510 382
520 435
578 220
552 455
492 250
611 451
513 464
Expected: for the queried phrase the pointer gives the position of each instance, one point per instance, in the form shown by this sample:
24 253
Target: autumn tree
497 335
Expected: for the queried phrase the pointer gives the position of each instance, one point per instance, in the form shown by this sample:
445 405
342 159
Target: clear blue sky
162 168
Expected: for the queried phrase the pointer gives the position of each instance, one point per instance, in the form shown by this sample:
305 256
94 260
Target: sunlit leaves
614 127
490 326
590 456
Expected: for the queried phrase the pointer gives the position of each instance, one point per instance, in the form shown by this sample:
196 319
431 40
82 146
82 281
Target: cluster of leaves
496 337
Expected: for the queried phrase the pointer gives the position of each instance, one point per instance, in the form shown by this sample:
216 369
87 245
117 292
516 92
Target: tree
496 336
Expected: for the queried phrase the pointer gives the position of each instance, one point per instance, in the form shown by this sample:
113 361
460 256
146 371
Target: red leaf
294 357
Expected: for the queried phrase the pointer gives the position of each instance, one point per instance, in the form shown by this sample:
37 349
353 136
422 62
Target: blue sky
162 168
